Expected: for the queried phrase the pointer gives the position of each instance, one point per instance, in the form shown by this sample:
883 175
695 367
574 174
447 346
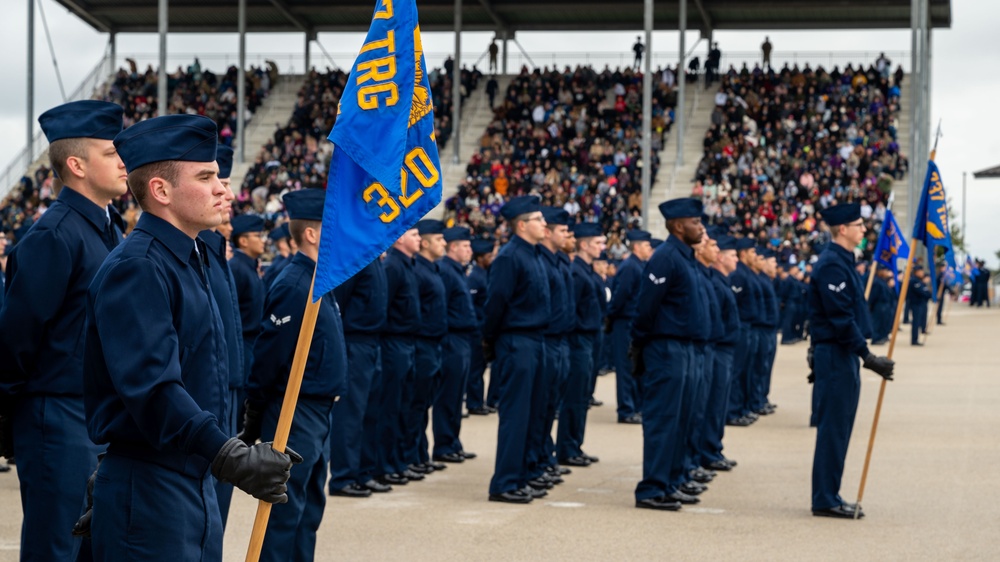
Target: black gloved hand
489 351
881 365
82 526
638 362
811 377
259 470
253 421
607 324
6 436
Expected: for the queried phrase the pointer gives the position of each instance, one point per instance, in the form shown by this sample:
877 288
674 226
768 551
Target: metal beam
493 15
681 86
285 11
30 130
81 11
647 114
704 16
456 87
241 83
162 102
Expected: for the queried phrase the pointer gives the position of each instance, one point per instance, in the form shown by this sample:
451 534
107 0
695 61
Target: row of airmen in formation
168 360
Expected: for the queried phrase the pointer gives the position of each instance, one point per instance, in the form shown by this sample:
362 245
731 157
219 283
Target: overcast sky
965 78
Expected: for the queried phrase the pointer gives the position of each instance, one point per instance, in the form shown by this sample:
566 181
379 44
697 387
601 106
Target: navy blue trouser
369 466
447 421
573 413
224 490
710 448
55 457
626 386
694 380
518 369
543 407
143 511
788 326
347 428
836 392
699 408
600 342
477 368
918 321
418 396
291 530
746 349
667 363
768 349
758 374
397 367
557 359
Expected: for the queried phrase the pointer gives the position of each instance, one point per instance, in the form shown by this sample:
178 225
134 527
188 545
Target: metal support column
965 237
241 84
914 109
506 37
647 114
162 103
456 87
681 86
30 118
112 52
309 38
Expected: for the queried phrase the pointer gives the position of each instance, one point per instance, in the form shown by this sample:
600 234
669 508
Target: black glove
881 365
6 436
253 420
638 362
259 470
811 378
82 526
489 352
607 324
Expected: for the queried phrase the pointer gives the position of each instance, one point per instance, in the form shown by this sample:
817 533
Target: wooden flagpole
287 413
871 278
940 304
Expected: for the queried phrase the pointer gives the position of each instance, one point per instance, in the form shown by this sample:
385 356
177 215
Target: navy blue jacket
478 282
402 295
271 273
224 290
518 291
625 288
461 315
563 301
48 273
727 308
362 300
325 376
743 286
838 312
249 291
156 372
670 304
715 325
433 307
588 287
919 292
770 299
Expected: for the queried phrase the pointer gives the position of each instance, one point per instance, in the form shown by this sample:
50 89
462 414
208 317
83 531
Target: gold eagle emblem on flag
422 103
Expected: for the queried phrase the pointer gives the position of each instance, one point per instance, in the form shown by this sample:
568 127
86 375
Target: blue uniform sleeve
275 346
36 286
653 285
342 292
141 349
499 290
623 289
838 306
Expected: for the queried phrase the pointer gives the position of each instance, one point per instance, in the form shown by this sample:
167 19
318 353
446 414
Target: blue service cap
725 242
638 236
305 204
279 232
681 208
587 230
457 234
744 243
918 267
765 252
841 214
429 226
716 232
189 138
555 215
224 156
243 224
90 119
480 246
521 205
655 242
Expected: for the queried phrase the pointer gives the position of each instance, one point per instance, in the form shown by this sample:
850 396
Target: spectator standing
494 50
638 49
765 49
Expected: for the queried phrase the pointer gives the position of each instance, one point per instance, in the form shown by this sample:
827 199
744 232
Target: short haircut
62 149
297 228
523 217
139 178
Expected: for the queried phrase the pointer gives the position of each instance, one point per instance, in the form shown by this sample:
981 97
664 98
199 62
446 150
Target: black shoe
730 462
450 457
701 476
421 468
465 415
492 409
558 470
410 475
4 468
377 487
555 479
516 496
480 411
917 344
590 458
845 511
739 422
752 416
881 341
534 492
683 498
394 478
693 488
662 503
721 466
540 484
352 491
468 455
437 465
634 419
595 402
575 461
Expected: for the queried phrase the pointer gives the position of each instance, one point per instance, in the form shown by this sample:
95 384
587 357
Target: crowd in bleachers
784 145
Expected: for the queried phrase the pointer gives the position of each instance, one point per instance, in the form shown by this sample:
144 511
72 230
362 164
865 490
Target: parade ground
933 491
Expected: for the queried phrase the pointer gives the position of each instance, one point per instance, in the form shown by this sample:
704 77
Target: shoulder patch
279 321
837 288
657 280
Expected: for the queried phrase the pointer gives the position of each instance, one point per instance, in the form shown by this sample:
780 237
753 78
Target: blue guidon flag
891 246
930 226
385 174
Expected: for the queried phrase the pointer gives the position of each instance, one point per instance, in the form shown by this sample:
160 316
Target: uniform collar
401 256
684 249
303 259
179 244
583 264
215 241
96 215
521 243
842 254
453 264
553 257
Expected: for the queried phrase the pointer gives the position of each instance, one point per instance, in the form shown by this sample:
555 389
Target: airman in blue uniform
517 313
918 295
671 315
248 245
291 529
220 278
881 305
42 320
284 248
483 252
792 296
621 312
156 380
767 265
749 303
353 439
455 346
840 326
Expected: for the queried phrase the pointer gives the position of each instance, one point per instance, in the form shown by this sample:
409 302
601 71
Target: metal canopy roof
993 172
214 16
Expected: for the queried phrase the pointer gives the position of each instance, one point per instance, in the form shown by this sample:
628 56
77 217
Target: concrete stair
274 112
900 188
